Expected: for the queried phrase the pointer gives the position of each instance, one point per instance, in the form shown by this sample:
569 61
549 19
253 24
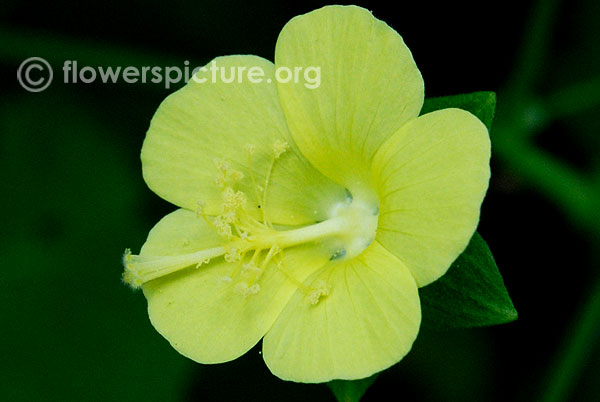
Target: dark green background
73 199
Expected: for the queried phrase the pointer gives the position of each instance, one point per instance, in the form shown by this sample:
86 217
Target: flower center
252 245
360 226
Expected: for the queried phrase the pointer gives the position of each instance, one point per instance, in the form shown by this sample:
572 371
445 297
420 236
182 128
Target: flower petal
431 177
218 120
367 323
198 310
369 87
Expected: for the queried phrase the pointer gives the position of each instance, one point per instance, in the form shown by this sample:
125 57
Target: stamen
200 212
251 273
233 200
226 174
321 289
245 290
264 199
303 288
232 255
222 227
242 266
272 252
279 147
250 269
250 150
229 217
255 256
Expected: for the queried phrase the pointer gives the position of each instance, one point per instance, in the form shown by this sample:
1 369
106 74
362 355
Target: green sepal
351 391
470 294
481 104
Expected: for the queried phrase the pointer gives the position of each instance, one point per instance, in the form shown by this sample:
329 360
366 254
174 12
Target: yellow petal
199 310
431 177
366 323
207 122
369 87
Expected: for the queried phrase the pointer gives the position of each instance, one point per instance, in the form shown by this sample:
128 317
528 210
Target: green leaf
351 391
481 104
470 294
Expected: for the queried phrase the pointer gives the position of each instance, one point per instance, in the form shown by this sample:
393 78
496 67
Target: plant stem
574 99
534 49
580 341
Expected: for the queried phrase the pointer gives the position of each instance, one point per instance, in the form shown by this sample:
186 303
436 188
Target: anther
222 227
245 290
320 290
233 200
279 147
232 255
250 148
226 174
250 269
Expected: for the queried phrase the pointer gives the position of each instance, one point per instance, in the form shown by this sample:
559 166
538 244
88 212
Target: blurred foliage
73 198
72 202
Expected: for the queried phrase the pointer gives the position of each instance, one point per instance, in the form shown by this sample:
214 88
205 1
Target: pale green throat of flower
250 244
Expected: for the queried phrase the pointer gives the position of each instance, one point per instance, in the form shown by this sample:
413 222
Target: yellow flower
309 214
